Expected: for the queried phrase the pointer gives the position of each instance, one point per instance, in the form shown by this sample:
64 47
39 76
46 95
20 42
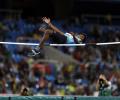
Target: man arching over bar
57 36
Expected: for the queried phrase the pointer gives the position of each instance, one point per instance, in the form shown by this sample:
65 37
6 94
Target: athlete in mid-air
57 36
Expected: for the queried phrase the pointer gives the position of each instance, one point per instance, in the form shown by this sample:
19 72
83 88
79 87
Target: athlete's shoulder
68 34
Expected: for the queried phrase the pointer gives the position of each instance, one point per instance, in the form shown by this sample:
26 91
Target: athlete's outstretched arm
47 20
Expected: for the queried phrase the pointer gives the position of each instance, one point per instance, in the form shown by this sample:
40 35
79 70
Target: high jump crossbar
35 44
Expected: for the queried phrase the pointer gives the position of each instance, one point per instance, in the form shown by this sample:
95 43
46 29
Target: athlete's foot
34 51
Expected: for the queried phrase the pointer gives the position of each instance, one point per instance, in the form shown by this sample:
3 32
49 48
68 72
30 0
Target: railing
97 18
10 11
57 98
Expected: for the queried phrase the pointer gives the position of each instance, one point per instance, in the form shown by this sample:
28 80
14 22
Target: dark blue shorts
58 38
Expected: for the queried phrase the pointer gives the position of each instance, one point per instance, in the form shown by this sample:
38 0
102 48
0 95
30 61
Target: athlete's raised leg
37 50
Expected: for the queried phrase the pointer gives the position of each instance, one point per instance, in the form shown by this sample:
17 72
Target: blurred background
59 70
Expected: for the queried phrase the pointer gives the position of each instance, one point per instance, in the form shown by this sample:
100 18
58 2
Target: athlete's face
81 36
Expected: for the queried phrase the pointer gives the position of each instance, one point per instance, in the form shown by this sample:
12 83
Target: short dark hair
85 36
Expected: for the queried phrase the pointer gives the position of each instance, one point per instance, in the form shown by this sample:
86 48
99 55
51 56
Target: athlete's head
81 37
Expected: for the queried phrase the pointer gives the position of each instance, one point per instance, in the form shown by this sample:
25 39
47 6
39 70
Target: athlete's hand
46 20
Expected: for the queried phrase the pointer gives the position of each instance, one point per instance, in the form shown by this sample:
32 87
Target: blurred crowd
18 70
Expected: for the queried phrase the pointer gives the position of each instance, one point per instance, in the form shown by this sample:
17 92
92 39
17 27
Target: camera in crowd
102 83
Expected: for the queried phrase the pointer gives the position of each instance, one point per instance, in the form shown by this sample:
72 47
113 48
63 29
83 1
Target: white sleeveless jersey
70 39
